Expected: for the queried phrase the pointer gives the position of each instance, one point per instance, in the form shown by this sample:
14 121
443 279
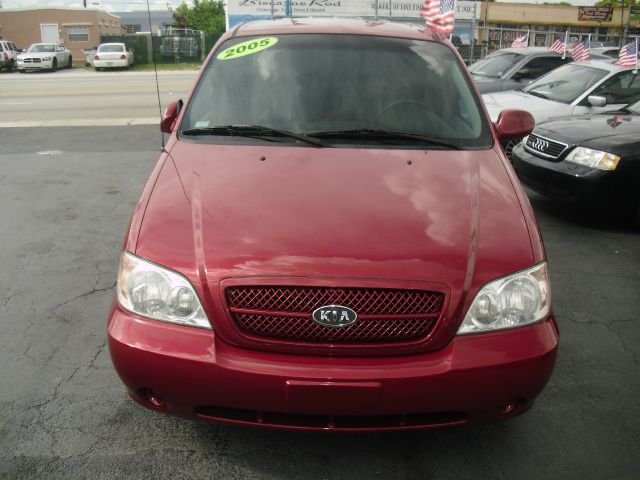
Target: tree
615 3
205 15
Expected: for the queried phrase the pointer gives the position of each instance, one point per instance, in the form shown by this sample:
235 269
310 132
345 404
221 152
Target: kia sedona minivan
333 239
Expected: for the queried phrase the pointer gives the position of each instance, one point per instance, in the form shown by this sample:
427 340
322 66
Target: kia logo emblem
334 316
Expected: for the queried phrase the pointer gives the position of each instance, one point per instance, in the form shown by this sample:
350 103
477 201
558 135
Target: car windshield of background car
495 65
634 108
565 84
42 48
309 83
111 48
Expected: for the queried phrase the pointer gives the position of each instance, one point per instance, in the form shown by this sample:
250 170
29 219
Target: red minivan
333 239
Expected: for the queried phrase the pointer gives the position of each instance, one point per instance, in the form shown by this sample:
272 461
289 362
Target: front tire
70 62
54 65
21 70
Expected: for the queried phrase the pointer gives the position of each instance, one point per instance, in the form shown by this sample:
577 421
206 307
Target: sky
111 5
125 5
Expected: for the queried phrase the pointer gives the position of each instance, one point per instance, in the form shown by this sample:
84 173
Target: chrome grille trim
553 150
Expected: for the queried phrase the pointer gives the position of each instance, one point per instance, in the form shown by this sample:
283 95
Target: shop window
78 34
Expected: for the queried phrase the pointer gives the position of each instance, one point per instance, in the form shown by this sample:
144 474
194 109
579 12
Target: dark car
326 244
589 158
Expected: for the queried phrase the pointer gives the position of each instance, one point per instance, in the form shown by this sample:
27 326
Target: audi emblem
539 144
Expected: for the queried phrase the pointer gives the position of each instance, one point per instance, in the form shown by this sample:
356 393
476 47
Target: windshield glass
634 107
111 48
42 48
309 84
566 83
496 64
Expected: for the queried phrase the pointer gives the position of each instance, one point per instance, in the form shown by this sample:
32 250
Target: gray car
515 68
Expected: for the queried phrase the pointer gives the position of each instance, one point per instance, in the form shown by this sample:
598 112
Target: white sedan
112 55
574 89
44 56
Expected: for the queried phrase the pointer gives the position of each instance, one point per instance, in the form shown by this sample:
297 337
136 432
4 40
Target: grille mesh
547 148
384 315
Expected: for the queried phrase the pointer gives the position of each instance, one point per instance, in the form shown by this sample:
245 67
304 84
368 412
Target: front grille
545 147
32 60
384 315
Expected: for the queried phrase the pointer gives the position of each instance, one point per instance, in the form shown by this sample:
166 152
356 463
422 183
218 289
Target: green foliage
205 15
616 3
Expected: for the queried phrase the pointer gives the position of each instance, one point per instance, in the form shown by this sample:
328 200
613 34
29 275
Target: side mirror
169 117
513 124
597 101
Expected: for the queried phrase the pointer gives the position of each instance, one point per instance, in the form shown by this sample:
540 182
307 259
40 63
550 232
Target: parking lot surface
67 195
83 97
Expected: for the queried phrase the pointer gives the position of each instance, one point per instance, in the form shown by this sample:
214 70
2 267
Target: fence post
150 48
203 46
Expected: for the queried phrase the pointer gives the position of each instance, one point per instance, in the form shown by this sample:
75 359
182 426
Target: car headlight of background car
593 158
512 301
156 292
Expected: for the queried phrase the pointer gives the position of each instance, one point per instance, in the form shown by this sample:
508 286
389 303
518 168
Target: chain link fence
172 46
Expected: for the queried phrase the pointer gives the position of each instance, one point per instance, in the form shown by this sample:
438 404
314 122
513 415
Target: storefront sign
245 10
595 14
634 14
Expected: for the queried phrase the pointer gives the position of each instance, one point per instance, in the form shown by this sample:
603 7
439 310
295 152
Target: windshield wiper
378 134
251 131
537 94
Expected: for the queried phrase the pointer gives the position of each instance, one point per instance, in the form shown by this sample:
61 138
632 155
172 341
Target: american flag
438 14
521 42
557 46
629 54
580 51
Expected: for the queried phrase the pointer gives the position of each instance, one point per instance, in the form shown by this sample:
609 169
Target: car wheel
12 66
21 70
508 147
97 69
54 65
70 63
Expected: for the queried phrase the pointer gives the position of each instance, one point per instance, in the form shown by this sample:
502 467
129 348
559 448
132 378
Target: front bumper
562 180
43 65
197 375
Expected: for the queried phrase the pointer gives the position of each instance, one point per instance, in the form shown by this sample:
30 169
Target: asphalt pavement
67 195
83 97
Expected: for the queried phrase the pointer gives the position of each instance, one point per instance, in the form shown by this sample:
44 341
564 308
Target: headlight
46 59
593 158
512 301
155 292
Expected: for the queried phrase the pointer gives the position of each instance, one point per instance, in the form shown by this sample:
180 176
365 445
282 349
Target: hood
36 54
451 217
541 109
618 130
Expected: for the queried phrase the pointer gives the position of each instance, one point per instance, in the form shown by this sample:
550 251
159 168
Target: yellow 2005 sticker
247 48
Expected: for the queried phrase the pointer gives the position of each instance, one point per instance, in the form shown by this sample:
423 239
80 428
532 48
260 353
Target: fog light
509 407
153 398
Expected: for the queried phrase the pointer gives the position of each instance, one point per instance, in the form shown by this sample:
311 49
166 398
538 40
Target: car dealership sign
245 10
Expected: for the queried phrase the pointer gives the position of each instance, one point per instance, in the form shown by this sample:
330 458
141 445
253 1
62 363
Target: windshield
566 83
111 48
42 48
496 64
320 84
634 107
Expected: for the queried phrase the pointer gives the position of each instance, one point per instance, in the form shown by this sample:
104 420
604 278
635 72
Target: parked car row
52 56
586 145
